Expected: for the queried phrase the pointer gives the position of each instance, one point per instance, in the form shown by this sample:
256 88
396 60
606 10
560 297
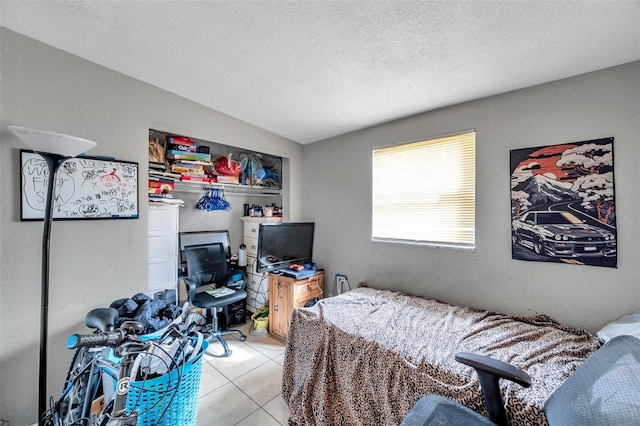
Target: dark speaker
233 314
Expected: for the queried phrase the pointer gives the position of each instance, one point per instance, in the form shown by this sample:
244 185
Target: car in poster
561 234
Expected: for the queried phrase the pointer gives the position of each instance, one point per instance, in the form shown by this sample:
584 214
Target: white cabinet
257 283
163 247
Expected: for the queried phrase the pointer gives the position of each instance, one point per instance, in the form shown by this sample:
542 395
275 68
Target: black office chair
206 270
605 390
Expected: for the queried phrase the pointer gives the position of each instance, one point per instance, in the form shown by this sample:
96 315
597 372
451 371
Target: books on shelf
192 156
165 199
196 178
157 166
170 201
192 164
187 170
156 173
180 140
227 179
182 148
160 185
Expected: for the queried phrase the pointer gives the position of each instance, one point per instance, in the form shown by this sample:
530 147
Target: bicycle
118 378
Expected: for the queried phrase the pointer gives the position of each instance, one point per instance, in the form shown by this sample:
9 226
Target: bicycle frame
103 372
94 376
107 363
100 368
118 416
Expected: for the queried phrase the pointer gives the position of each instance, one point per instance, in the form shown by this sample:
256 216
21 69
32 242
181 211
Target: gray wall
601 104
93 262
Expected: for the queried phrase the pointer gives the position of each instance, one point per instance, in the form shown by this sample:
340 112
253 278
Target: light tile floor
244 389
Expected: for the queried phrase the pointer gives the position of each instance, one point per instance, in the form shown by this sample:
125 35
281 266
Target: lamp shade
51 142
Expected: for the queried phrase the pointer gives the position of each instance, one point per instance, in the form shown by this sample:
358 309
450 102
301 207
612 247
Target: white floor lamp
54 148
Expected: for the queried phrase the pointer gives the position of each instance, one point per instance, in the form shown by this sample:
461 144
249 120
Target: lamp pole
53 162
54 148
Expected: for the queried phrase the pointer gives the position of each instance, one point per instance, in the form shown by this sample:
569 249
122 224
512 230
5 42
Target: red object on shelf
181 140
228 167
196 179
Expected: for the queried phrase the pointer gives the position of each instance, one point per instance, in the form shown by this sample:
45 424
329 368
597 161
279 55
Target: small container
242 255
260 319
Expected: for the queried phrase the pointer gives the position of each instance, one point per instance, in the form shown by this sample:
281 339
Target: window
424 192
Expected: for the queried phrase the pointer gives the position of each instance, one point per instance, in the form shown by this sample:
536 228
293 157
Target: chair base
218 335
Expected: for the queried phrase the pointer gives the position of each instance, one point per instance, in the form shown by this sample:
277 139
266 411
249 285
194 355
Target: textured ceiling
309 70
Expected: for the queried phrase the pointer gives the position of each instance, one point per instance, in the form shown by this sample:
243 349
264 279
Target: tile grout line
279 395
271 355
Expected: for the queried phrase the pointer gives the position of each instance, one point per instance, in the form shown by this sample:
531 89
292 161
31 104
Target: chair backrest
605 390
196 238
206 263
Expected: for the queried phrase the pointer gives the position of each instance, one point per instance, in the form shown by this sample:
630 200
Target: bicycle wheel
70 407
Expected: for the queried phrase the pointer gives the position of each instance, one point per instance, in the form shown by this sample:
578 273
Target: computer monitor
204 237
282 245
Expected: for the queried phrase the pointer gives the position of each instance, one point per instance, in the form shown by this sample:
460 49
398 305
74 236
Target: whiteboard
85 188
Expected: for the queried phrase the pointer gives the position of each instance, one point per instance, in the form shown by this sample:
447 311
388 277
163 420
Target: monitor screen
204 237
282 245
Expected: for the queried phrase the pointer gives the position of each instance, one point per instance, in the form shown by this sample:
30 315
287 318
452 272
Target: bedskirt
365 357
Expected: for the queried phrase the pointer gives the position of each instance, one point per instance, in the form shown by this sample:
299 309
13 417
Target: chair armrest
190 288
494 367
490 371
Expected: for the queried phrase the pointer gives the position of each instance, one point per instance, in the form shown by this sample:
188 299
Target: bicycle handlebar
109 338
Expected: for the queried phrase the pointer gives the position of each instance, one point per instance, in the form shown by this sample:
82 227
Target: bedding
628 324
366 356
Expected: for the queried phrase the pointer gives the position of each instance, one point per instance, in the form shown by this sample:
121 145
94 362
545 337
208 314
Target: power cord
258 297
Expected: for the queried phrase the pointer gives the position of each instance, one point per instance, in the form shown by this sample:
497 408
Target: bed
366 356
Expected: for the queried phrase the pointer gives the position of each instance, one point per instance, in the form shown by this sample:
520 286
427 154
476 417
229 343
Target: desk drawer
251 229
252 245
306 291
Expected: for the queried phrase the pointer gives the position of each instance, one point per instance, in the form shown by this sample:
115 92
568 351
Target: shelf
261 219
229 188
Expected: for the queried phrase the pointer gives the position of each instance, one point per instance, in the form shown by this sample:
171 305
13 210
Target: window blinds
424 192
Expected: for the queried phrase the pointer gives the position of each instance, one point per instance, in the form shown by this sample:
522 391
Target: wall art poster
563 204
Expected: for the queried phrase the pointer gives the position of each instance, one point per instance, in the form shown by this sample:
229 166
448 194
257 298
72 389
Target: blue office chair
605 390
206 270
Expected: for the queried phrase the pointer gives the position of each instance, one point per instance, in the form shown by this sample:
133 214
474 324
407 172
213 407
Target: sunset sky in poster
543 161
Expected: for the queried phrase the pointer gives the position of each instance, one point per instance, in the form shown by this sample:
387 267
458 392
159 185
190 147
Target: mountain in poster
544 190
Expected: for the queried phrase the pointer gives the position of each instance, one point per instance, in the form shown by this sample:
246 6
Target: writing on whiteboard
85 188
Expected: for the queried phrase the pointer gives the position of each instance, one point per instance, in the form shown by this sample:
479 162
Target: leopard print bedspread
365 357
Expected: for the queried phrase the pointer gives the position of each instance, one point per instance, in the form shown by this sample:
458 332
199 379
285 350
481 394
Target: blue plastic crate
165 401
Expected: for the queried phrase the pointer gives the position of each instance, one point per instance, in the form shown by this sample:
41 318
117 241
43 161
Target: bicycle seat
103 319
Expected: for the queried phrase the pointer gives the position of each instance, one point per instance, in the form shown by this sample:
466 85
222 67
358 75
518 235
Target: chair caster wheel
243 338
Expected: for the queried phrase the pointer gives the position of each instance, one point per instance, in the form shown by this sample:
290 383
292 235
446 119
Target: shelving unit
257 165
162 246
257 282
